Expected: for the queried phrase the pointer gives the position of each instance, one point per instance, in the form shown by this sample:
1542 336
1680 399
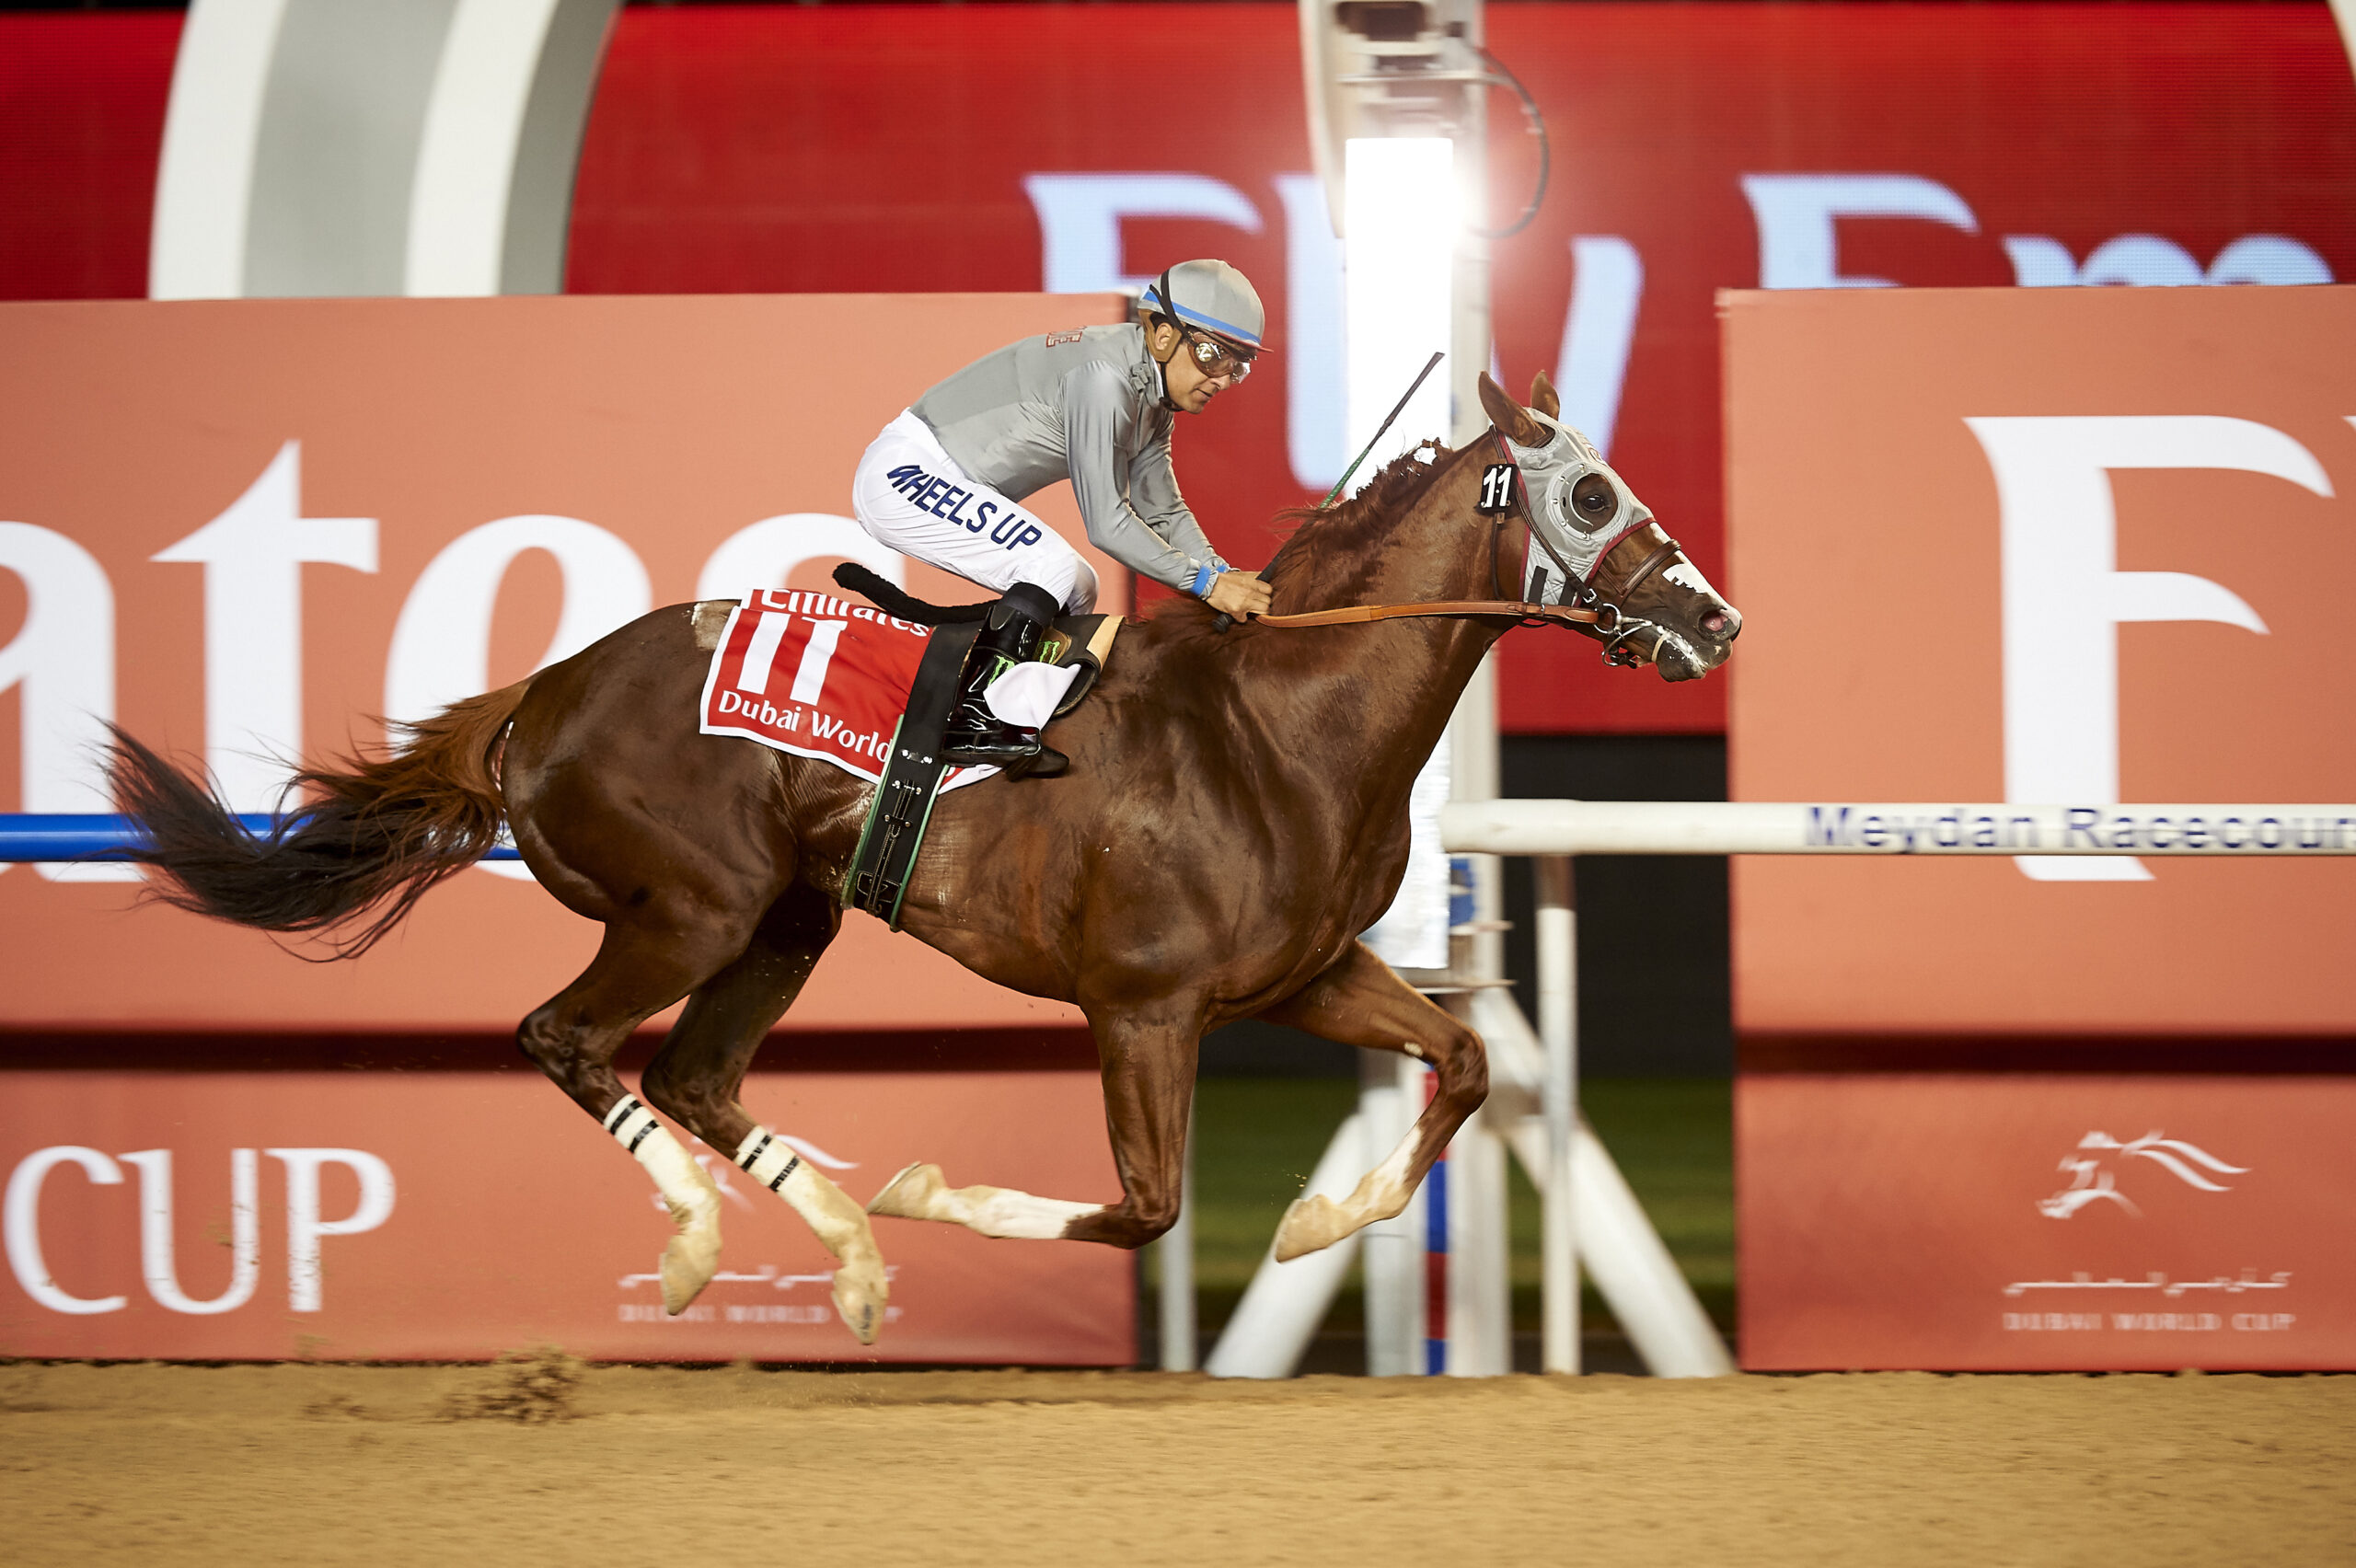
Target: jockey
1095 405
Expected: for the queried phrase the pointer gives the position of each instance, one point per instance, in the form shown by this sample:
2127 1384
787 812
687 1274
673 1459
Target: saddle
913 771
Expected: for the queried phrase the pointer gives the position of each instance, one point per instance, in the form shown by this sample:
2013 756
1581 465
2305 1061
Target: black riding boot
1009 636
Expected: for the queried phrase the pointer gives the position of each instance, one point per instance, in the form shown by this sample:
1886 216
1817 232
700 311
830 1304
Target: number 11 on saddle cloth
823 677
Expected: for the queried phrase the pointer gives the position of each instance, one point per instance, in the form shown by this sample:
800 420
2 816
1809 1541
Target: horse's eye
1593 496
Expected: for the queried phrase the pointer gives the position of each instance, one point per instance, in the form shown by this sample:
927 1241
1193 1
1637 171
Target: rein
1526 613
1613 624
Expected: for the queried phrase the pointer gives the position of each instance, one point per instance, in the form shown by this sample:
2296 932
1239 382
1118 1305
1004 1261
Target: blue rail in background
25 837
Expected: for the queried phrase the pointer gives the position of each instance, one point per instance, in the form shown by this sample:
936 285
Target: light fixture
1401 209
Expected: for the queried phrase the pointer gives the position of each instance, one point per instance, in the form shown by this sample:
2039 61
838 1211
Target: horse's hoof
692 1255
1311 1225
860 1294
909 1194
688 1263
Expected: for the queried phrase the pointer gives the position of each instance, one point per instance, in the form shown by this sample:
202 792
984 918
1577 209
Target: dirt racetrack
550 1462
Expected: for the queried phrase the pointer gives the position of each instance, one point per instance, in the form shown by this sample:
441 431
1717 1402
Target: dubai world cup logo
2095 1179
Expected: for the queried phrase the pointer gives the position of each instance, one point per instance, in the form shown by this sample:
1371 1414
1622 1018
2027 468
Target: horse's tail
373 835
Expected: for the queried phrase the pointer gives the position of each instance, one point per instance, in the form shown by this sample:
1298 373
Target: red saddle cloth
818 676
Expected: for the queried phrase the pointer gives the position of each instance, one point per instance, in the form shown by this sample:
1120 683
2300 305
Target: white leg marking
1317 1222
919 1193
860 1287
693 1252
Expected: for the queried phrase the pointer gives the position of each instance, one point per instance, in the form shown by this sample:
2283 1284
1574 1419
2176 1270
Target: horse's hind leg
642 966
697 1075
1360 1001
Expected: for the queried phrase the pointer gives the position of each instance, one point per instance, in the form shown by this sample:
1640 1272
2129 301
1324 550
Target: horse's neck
1377 697
1438 548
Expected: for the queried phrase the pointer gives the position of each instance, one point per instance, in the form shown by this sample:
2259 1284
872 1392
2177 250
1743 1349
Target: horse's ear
1543 396
1509 416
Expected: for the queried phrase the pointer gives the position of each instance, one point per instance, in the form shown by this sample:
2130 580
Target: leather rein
1612 625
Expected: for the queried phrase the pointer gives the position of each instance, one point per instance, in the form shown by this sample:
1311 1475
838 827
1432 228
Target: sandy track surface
552 1462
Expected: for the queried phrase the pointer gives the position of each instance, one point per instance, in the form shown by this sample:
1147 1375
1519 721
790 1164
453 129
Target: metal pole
1176 1254
1284 1303
1392 1251
1480 1287
1480 1254
1631 1269
1558 979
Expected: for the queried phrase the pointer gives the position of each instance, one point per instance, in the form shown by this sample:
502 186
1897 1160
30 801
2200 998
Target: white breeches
909 494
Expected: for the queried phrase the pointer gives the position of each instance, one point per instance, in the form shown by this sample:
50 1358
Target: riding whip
1221 621
1380 431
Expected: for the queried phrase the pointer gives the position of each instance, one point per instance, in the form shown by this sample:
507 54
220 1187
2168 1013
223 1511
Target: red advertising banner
2036 1222
2064 547
1697 147
440 1214
244 528
2068 546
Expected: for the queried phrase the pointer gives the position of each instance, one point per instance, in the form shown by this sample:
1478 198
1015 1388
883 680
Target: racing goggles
1216 358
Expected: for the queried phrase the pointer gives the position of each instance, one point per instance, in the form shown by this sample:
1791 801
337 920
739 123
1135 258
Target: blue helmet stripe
1226 328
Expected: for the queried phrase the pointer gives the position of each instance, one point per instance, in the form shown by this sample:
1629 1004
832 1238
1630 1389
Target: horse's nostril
1715 623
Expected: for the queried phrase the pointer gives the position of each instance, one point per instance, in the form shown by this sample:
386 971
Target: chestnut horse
1235 815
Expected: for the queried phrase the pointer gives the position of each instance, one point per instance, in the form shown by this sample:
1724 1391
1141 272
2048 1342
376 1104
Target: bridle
1612 625
1589 613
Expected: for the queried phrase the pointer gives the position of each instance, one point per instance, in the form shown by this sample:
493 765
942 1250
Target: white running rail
1803 827
1591 1217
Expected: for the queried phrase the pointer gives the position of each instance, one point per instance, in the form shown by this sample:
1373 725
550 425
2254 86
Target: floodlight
1401 206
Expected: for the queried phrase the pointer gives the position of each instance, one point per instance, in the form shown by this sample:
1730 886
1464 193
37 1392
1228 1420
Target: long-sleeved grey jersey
1085 406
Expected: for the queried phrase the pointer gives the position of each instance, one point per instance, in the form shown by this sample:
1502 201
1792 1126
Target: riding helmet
1212 298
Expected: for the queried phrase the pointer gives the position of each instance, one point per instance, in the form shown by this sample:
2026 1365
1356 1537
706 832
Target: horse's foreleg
699 1075
921 1192
1361 1002
1149 1074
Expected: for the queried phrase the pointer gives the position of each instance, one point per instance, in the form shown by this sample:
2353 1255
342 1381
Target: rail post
1558 979
1389 1098
1175 1253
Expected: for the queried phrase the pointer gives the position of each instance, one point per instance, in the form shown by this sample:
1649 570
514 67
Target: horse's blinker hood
1579 506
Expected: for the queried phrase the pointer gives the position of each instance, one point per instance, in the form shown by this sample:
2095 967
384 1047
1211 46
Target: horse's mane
1349 529
1347 533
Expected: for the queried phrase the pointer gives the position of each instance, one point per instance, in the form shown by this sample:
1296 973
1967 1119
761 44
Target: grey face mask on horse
1578 508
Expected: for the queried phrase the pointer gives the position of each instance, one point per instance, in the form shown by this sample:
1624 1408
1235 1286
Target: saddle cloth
818 676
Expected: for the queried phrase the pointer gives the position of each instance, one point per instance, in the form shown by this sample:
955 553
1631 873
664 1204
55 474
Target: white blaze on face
1685 574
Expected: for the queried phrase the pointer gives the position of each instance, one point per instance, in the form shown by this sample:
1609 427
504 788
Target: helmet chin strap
1160 361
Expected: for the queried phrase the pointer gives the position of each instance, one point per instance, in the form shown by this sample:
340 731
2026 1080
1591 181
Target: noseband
1613 626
